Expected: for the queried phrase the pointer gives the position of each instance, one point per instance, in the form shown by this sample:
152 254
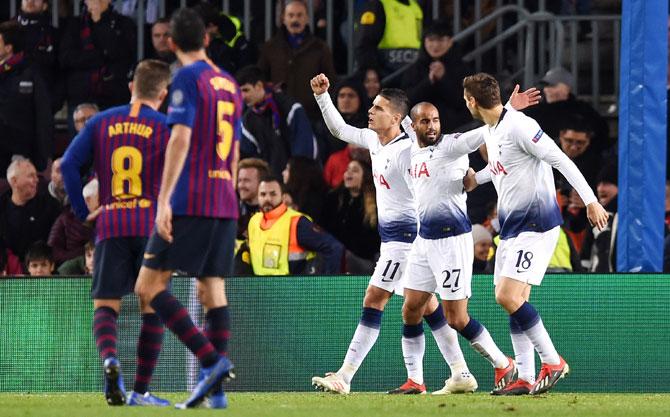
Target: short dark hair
273 178
577 123
151 77
397 98
484 88
187 30
251 74
13 34
162 21
439 28
39 251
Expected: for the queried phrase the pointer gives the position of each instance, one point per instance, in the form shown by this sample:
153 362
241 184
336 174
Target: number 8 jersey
207 100
127 145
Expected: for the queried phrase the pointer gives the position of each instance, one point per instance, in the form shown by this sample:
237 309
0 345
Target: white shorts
441 265
390 268
525 257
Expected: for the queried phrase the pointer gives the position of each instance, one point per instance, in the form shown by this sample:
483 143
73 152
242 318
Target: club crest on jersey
418 170
537 136
177 97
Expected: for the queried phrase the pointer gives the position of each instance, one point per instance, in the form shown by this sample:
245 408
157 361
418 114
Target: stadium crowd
288 156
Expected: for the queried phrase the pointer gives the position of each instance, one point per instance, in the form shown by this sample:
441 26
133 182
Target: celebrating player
126 145
521 156
197 207
441 256
389 150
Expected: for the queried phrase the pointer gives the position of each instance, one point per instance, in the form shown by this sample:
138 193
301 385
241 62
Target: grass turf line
321 404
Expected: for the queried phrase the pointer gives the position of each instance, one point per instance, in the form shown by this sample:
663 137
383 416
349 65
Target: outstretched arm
336 124
520 101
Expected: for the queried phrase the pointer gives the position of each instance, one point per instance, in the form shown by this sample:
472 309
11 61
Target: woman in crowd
350 214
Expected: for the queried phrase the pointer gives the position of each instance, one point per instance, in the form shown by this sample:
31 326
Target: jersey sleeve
404 162
183 100
458 144
339 128
532 139
78 154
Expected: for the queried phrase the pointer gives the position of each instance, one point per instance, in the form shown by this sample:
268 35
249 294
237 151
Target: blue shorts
201 247
117 262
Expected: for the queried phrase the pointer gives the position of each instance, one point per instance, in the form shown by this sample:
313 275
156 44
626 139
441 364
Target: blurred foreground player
197 188
126 145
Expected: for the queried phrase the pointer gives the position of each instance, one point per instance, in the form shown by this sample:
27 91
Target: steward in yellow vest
283 240
388 34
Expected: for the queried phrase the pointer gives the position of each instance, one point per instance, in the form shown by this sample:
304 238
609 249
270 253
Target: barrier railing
612 329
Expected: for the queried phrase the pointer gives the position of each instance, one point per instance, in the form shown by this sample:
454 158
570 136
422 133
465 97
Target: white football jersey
520 159
396 210
437 173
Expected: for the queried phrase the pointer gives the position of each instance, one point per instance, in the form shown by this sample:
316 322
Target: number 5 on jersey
224 128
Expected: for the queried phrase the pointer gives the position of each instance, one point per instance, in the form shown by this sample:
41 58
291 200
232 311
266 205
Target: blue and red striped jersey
207 100
127 146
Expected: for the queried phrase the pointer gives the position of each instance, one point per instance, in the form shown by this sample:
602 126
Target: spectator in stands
483 242
26 121
56 185
349 97
82 113
81 265
160 32
437 77
283 241
599 249
9 263
228 47
293 56
98 52
69 234
304 184
388 35
575 140
26 212
350 215
249 174
275 125
39 260
560 104
40 43
372 83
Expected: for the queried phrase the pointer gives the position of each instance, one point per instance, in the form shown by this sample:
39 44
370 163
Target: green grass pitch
321 404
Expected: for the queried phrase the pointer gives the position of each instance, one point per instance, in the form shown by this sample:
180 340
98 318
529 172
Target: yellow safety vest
271 249
238 26
561 256
403 25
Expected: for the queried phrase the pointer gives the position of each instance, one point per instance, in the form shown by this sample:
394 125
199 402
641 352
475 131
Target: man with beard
282 241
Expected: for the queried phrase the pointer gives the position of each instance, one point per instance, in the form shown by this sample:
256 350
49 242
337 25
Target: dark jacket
26 121
343 218
21 226
599 248
100 73
68 236
295 67
446 93
41 50
293 138
552 117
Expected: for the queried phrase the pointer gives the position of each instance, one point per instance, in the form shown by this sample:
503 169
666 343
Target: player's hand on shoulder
597 215
469 181
528 98
319 84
